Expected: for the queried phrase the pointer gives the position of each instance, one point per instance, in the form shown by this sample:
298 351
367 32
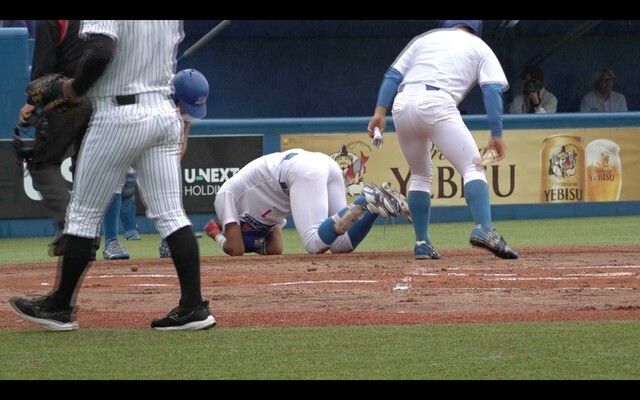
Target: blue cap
191 89
474 24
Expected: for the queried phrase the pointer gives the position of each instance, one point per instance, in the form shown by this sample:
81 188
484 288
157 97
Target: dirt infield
545 284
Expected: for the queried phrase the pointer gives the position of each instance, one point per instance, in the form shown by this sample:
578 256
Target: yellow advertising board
542 166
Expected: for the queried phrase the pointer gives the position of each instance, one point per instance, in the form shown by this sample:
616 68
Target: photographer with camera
534 98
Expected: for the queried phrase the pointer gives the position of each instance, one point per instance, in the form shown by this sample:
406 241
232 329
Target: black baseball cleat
42 311
490 239
186 319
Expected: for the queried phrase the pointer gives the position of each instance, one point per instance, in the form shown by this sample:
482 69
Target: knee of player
474 174
273 249
234 253
316 247
341 251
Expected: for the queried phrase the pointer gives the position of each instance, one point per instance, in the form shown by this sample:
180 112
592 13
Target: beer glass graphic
604 171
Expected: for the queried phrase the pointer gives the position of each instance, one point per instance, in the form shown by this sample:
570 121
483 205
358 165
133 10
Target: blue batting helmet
191 89
474 24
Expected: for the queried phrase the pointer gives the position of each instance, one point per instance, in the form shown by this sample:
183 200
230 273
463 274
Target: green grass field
497 351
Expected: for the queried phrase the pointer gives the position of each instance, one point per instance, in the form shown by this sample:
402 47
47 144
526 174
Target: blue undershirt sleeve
494 106
389 87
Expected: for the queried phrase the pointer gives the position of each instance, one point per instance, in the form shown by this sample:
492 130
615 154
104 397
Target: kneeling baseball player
252 206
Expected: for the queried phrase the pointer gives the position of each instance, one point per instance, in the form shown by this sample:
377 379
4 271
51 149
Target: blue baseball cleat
424 251
490 239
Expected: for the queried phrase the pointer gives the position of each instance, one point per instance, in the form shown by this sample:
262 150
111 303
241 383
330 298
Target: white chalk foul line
429 271
150 285
404 285
320 282
598 267
514 276
569 277
135 276
511 289
140 276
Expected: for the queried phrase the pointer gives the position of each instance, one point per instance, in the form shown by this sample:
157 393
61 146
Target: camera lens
530 86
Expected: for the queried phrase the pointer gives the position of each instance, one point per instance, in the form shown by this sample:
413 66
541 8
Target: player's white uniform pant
145 136
317 192
422 117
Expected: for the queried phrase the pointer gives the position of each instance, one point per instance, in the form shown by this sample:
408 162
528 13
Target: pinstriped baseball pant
146 136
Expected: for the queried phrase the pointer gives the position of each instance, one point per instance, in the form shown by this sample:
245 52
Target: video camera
530 86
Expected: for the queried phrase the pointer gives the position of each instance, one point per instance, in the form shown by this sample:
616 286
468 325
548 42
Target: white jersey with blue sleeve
452 60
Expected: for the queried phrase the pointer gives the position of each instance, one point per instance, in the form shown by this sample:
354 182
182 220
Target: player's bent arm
274 245
100 49
389 87
386 94
494 106
234 245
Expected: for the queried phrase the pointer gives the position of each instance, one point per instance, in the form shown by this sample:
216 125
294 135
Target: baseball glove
490 156
53 92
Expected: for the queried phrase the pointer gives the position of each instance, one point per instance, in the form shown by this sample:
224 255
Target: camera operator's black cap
534 72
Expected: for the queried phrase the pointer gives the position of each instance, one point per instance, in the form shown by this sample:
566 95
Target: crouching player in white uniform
252 206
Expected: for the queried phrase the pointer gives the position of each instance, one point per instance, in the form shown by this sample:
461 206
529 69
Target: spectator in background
533 98
602 98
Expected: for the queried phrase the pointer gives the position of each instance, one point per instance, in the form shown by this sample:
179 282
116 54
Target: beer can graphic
562 169
604 171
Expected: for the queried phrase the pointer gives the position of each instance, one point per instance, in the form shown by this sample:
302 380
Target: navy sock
77 251
186 258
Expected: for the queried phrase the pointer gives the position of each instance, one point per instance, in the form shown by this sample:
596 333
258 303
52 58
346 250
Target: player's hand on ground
212 229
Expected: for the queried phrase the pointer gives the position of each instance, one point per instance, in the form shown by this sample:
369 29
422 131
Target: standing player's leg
414 143
456 143
48 180
96 178
128 207
160 190
45 170
112 248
